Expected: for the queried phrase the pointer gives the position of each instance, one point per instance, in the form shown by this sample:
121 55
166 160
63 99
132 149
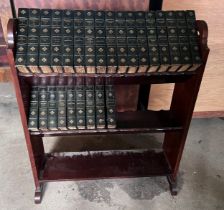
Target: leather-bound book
33 48
52 108
90 103
33 110
71 104
80 103
43 107
110 104
100 102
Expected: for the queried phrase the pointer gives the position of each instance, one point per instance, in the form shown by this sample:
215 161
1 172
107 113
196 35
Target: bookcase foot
173 185
38 194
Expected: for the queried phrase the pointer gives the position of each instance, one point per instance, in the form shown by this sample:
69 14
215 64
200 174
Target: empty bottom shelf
104 164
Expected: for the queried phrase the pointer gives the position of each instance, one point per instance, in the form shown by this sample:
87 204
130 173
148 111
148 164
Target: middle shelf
127 122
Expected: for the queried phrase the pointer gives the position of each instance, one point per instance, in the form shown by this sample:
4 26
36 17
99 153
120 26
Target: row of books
65 41
77 106
103 15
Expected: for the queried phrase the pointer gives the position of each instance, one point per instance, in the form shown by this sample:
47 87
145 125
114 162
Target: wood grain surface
211 95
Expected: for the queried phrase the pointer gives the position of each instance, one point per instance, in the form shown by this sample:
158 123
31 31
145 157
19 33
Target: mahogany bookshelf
174 123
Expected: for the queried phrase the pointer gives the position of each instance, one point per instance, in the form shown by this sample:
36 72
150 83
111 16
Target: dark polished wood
73 166
13 9
34 144
119 79
183 102
175 123
3 56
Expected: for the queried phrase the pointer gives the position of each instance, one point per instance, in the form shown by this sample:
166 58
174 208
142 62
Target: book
71 105
33 110
33 48
52 108
57 39
154 59
100 103
101 59
43 107
79 58
90 103
110 104
80 103
61 101
164 58
68 41
44 42
175 57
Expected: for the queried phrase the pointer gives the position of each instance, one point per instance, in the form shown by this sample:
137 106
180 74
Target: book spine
71 106
68 41
61 96
100 33
193 36
110 104
100 103
33 48
52 108
21 45
153 49
79 42
163 41
183 41
43 107
33 111
56 41
111 59
80 103
172 31
90 103
44 42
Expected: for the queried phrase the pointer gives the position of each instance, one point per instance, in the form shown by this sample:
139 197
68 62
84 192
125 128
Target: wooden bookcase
174 123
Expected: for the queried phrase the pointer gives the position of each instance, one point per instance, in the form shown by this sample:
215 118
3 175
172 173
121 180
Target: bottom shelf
104 164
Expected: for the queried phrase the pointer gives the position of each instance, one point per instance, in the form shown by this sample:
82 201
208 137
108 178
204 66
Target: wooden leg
173 185
38 194
38 151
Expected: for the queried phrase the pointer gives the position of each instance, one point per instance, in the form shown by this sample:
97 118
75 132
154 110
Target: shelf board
127 122
139 78
104 164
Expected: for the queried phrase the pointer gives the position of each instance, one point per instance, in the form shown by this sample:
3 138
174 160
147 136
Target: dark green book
110 104
33 111
175 57
52 108
68 41
43 107
80 103
21 45
44 41
90 103
100 103
33 48
164 58
71 106
61 96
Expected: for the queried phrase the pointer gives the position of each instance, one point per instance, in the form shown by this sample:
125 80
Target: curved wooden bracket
202 27
11 32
